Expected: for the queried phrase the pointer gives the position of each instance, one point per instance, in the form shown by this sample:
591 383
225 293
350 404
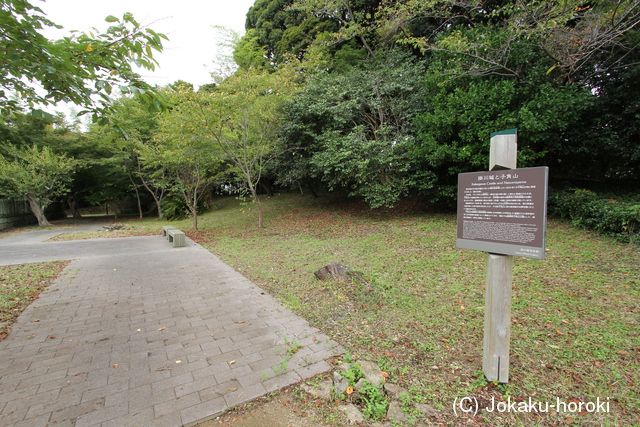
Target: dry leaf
232 362
162 329
116 365
79 373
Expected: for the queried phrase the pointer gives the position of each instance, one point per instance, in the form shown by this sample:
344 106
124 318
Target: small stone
394 413
322 390
353 414
335 271
361 383
339 383
395 390
344 367
372 372
425 409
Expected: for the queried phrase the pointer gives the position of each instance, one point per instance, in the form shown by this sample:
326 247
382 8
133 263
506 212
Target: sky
189 54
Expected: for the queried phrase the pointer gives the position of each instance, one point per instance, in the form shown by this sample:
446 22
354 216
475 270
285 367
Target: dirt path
281 410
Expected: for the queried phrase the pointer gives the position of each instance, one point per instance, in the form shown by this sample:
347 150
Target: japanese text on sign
503 208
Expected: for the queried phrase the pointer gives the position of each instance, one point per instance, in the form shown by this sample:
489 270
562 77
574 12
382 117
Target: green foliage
455 132
282 32
174 208
36 174
375 402
189 162
354 130
83 69
619 217
563 73
248 54
242 120
354 373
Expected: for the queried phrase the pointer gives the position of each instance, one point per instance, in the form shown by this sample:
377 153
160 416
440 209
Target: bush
617 216
174 208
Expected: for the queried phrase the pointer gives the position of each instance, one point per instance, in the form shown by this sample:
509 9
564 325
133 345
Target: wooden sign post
502 212
497 314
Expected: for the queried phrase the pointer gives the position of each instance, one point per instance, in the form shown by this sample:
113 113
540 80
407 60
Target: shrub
174 208
617 216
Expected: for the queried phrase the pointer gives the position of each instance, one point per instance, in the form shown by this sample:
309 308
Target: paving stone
99 370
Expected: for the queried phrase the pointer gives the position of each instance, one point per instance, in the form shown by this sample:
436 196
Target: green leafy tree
245 120
138 141
190 162
301 29
563 73
578 40
36 174
235 126
355 18
83 69
354 130
454 132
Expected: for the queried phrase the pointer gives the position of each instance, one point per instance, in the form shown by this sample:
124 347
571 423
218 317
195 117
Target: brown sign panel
503 212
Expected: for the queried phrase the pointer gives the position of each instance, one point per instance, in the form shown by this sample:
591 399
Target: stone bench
177 237
166 228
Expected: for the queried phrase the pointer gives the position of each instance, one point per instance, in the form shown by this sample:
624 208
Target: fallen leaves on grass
22 284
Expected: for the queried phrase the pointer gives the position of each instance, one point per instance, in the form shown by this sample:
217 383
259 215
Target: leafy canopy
35 173
83 69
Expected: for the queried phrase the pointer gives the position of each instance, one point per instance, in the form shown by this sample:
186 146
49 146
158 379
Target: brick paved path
137 333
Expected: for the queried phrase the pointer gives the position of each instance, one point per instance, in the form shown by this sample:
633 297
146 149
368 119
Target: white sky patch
190 53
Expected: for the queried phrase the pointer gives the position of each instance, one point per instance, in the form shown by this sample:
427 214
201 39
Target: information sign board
503 211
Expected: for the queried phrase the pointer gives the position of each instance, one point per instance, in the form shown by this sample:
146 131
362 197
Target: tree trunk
266 187
194 210
254 194
135 187
37 207
156 197
73 207
313 192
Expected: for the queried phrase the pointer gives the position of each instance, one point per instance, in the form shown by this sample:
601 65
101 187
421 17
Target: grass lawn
20 285
575 315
